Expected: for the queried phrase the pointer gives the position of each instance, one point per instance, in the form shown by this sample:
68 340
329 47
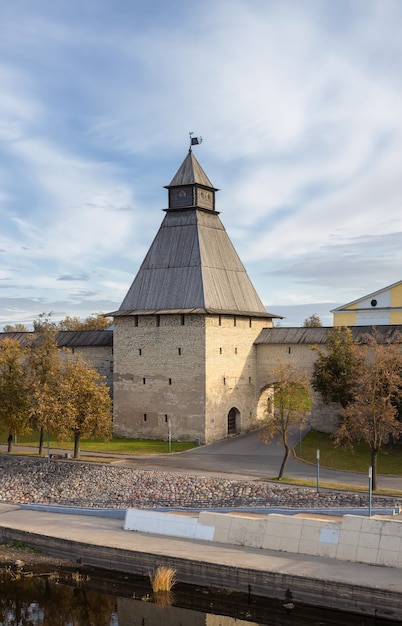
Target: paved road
247 455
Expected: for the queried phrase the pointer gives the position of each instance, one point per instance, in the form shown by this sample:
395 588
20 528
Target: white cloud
299 106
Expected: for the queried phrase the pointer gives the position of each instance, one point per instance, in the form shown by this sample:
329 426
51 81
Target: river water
97 598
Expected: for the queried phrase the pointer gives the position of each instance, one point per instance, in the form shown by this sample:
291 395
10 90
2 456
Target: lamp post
318 468
170 436
370 487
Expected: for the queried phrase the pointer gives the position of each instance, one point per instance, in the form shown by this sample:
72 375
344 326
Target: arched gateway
233 421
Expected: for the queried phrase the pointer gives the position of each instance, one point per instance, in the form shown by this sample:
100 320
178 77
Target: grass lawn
115 445
356 460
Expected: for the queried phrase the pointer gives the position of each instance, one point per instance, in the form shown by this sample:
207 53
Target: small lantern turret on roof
190 186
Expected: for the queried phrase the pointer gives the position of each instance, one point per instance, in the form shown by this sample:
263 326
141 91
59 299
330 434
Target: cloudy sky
299 104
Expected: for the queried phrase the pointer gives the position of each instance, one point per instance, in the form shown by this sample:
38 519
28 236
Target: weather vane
194 141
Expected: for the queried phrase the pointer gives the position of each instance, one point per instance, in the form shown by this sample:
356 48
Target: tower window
289 350
144 380
249 380
234 320
166 419
224 381
235 350
182 319
220 350
250 322
170 381
219 320
179 351
135 320
139 351
145 417
158 320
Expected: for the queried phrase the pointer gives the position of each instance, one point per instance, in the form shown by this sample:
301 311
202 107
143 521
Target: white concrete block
270 542
346 552
274 527
349 537
166 524
371 525
369 540
308 547
310 533
352 522
254 540
221 535
208 518
390 542
388 558
327 550
392 528
366 555
221 520
241 523
288 544
237 536
292 528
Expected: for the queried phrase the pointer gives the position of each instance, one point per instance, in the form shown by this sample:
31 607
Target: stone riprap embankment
27 481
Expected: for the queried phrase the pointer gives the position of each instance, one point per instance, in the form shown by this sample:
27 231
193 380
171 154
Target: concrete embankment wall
307 589
301 579
353 538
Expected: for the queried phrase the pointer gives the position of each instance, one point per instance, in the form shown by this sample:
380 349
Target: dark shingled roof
192 264
69 338
317 335
190 172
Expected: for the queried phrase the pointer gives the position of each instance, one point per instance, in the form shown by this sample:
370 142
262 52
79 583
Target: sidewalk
102 542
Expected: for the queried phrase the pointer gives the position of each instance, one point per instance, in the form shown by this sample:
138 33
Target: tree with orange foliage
372 413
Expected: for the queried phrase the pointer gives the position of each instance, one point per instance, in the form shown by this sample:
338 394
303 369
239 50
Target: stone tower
184 354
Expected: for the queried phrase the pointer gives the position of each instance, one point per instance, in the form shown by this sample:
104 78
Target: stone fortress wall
187 371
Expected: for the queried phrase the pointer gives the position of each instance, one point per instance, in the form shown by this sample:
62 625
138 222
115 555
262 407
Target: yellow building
383 307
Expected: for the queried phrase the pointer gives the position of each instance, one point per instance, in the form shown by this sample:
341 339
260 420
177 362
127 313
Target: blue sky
300 108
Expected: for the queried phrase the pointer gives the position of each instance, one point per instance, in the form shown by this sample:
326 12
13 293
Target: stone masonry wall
323 416
99 357
186 372
159 376
231 374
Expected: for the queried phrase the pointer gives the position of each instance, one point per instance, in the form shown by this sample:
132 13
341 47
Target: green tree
97 321
312 322
14 396
287 407
86 403
44 359
334 372
371 414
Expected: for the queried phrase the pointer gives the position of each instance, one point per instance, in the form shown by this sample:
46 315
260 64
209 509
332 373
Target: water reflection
97 598
41 599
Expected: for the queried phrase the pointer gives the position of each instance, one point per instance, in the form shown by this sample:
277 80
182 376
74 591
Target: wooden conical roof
190 172
192 265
